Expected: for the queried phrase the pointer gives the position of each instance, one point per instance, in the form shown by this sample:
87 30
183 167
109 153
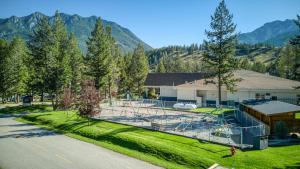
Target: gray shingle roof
170 79
250 80
273 107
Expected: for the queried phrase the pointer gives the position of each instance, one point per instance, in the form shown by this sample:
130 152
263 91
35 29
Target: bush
152 94
280 129
67 99
89 99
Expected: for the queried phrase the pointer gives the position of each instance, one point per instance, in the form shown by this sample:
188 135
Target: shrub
280 129
67 99
89 99
152 94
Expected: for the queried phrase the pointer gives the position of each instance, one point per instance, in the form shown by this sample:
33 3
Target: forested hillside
189 58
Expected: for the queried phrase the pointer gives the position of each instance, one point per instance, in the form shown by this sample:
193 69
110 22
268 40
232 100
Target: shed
272 111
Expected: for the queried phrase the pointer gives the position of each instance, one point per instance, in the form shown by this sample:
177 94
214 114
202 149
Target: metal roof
272 107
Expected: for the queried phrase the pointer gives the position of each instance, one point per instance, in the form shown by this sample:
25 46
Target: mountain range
80 26
275 33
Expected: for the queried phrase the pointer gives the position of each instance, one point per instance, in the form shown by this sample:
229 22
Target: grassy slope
163 149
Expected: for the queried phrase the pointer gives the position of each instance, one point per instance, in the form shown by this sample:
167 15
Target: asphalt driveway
24 146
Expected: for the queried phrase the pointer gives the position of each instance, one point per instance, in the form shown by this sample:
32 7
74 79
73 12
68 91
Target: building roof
172 79
249 80
272 107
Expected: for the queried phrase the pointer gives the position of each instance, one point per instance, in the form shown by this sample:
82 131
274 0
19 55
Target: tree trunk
109 93
54 102
138 88
219 90
17 98
42 96
3 100
104 93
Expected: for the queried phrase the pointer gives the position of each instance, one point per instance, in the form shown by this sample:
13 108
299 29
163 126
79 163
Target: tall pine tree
161 67
4 84
41 46
76 63
295 42
60 70
16 67
124 76
220 48
138 69
98 57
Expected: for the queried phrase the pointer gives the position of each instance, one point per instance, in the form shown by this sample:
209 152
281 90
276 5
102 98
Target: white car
184 106
190 106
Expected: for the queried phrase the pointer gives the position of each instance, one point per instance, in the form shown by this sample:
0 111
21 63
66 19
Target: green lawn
211 110
166 150
297 115
9 104
21 109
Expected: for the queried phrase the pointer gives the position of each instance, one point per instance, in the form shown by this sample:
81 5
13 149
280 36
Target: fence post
241 138
208 132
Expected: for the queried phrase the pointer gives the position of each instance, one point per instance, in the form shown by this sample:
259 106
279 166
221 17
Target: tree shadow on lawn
226 156
292 166
22 109
71 126
14 125
137 145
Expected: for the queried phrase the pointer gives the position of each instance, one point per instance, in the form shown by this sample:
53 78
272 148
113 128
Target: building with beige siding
198 87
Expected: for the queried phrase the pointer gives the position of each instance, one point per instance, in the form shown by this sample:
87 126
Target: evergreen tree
295 42
138 69
179 66
245 64
124 82
99 56
51 69
16 67
168 63
259 67
161 67
287 62
220 48
41 46
76 63
113 69
4 85
60 70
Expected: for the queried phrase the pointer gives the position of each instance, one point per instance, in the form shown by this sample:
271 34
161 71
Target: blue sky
162 22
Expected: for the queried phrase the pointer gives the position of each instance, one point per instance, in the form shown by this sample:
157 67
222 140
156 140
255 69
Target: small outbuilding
272 111
27 100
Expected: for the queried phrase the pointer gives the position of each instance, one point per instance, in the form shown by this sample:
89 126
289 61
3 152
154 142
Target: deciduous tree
89 99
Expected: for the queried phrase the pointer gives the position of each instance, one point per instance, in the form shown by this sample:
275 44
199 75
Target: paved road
25 146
